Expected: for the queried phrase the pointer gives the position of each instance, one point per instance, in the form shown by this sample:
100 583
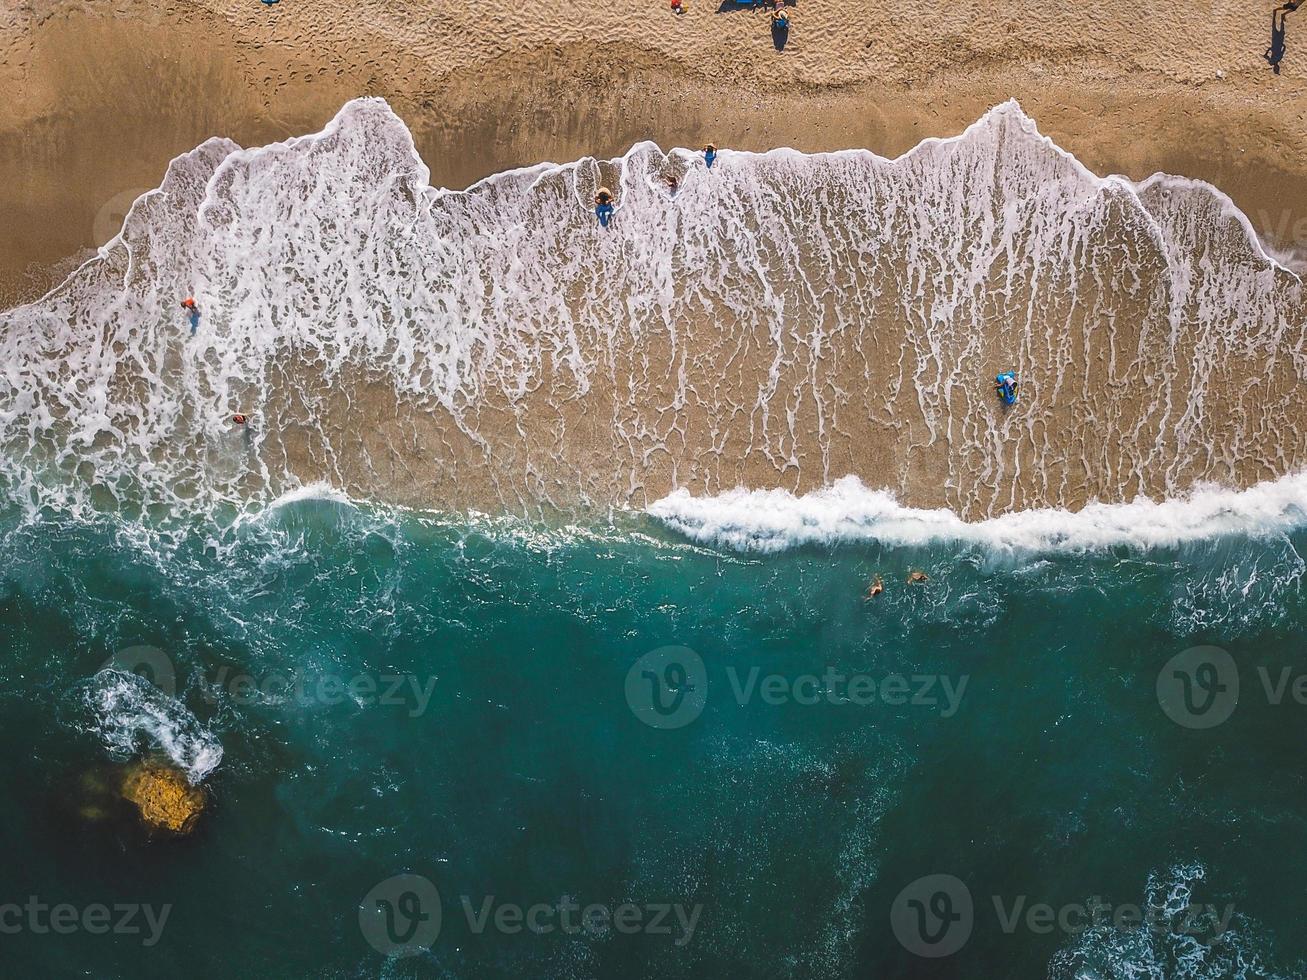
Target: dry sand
100 99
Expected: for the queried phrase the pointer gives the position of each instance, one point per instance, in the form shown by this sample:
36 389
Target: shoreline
589 414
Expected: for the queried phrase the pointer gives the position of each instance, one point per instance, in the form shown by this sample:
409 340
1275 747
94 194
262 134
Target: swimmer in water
876 587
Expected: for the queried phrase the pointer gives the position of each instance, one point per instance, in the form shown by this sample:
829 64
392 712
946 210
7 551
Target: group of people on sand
780 19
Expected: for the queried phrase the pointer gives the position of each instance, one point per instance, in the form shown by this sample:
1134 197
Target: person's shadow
1275 53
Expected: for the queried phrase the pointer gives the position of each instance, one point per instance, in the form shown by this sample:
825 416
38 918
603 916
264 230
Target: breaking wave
131 715
774 520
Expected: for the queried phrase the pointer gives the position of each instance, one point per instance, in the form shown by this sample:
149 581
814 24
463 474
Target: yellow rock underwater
163 796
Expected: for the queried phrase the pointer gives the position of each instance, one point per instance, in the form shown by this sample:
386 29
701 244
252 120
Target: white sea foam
783 311
1187 937
132 715
846 511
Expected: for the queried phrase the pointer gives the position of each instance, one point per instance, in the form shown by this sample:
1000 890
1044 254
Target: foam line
846 511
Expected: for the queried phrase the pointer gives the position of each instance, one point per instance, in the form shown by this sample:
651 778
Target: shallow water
782 320
527 770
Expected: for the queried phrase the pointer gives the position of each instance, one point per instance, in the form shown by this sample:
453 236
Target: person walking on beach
1275 53
709 155
604 206
188 304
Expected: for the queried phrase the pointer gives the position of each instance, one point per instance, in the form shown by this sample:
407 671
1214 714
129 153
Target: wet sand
105 99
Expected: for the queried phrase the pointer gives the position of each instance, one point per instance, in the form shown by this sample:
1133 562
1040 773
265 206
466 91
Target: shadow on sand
1275 53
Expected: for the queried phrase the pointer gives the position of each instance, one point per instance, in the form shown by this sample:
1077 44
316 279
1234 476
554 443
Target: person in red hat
188 304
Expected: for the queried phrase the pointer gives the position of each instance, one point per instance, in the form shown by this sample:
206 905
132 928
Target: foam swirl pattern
780 321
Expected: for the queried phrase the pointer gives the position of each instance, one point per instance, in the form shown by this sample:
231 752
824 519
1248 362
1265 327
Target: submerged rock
163 795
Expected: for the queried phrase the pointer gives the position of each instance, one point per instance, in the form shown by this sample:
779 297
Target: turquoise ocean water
999 725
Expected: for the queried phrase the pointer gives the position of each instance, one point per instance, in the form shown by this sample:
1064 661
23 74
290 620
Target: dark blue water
489 707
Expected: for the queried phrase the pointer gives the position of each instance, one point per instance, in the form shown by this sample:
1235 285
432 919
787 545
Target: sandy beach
101 100
867 346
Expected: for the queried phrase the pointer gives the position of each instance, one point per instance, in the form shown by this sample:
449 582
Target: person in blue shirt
188 304
604 206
